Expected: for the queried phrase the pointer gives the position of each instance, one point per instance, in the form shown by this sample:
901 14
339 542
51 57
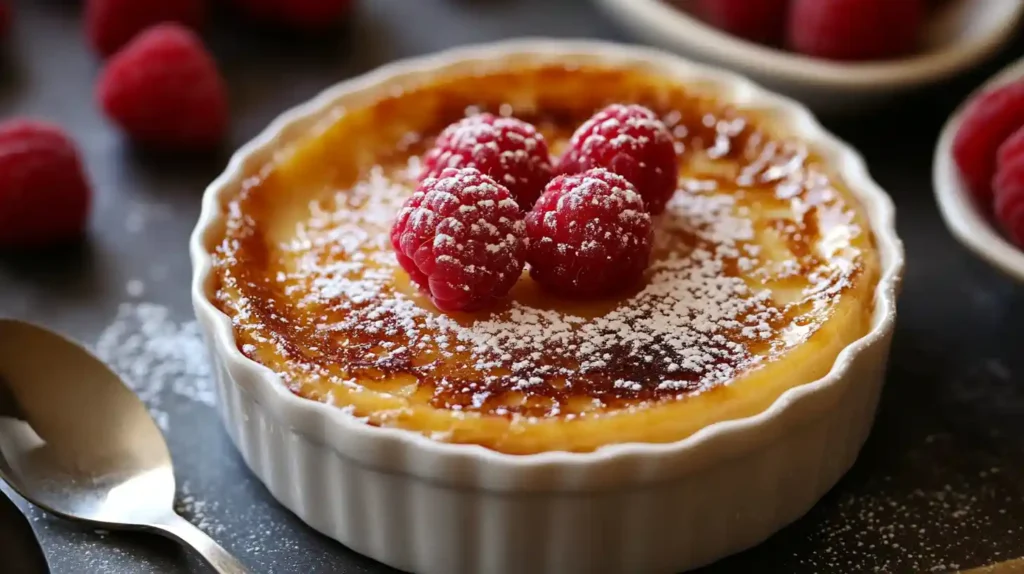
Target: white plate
960 35
969 223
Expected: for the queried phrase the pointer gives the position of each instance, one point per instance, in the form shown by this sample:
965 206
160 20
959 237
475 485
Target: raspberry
163 89
632 142
855 29
110 24
302 14
987 122
588 235
756 20
1010 150
1008 186
44 194
460 238
511 151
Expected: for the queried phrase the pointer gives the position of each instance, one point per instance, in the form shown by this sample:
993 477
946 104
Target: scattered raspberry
509 150
44 194
163 89
588 235
302 14
987 122
632 142
1008 187
756 20
855 29
460 238
110 24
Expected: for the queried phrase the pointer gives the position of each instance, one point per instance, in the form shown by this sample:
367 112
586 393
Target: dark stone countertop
939 485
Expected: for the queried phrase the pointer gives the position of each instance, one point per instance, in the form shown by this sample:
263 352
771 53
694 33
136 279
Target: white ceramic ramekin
440 508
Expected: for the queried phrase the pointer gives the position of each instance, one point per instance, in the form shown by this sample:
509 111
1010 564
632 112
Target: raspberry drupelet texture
1008 188
855 29
1011 150
510 151
632 142
44 192
460 236
163 89
987 122
588 235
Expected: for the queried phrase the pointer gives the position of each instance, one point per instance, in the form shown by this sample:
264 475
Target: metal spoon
78 443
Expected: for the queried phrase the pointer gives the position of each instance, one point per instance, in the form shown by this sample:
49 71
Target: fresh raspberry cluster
488 203
989 151
159 85
831 29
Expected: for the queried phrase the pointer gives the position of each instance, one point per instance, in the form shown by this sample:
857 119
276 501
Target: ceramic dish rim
683 31
334 427
961 213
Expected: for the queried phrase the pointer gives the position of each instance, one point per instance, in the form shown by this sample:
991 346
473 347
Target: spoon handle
182 530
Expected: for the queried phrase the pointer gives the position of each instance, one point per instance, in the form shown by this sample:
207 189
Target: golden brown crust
759 258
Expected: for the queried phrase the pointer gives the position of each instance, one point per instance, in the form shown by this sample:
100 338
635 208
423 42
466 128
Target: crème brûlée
763 270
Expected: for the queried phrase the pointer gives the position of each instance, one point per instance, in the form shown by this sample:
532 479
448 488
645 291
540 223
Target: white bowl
439 508
970 224
959 36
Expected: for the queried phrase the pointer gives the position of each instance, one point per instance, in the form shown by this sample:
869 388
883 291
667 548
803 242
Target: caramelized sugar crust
763 271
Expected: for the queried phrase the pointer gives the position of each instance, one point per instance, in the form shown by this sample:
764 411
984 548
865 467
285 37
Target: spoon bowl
77 442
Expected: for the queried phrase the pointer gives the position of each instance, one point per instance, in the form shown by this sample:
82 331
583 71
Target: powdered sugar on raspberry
507 149
623 140
588 235
632 142
706 313
460 238
472 136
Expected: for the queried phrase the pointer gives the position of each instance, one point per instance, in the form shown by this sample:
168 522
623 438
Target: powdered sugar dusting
157 357
199 511
707 311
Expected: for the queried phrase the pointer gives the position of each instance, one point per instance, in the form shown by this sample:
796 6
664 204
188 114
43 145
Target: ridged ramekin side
423 526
